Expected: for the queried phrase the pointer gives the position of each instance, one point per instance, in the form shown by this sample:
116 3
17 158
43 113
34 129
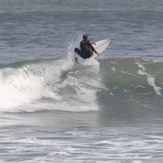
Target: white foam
23 85
36 86
113 69
150 79
137 161
18 88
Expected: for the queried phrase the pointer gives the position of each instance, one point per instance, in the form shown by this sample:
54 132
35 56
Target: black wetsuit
86 49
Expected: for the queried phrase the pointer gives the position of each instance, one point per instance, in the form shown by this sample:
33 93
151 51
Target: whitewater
108 109
48 82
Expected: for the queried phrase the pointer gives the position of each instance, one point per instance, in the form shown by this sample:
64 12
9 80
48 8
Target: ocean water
108 110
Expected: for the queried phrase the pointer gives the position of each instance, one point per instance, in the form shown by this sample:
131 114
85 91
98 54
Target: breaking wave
59 84
55 84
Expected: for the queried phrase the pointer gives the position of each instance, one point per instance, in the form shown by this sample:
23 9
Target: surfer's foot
75 50
76 60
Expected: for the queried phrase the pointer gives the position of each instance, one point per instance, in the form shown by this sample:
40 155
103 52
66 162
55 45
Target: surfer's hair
85 36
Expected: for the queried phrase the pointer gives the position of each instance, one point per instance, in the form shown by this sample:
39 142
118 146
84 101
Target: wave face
134 88
58 84
133 75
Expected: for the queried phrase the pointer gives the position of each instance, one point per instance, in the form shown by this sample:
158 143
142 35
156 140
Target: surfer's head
85 37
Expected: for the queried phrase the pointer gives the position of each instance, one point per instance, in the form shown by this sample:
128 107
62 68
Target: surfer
86 49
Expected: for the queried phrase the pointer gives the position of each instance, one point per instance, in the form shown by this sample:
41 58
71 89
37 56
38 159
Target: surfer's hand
97 53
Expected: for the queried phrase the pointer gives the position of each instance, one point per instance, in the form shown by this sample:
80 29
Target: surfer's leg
88 55
78 51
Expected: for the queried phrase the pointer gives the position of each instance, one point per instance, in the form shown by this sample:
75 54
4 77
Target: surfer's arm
93 49
96 52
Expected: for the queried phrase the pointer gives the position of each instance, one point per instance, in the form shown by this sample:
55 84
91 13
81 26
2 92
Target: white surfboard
101 45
